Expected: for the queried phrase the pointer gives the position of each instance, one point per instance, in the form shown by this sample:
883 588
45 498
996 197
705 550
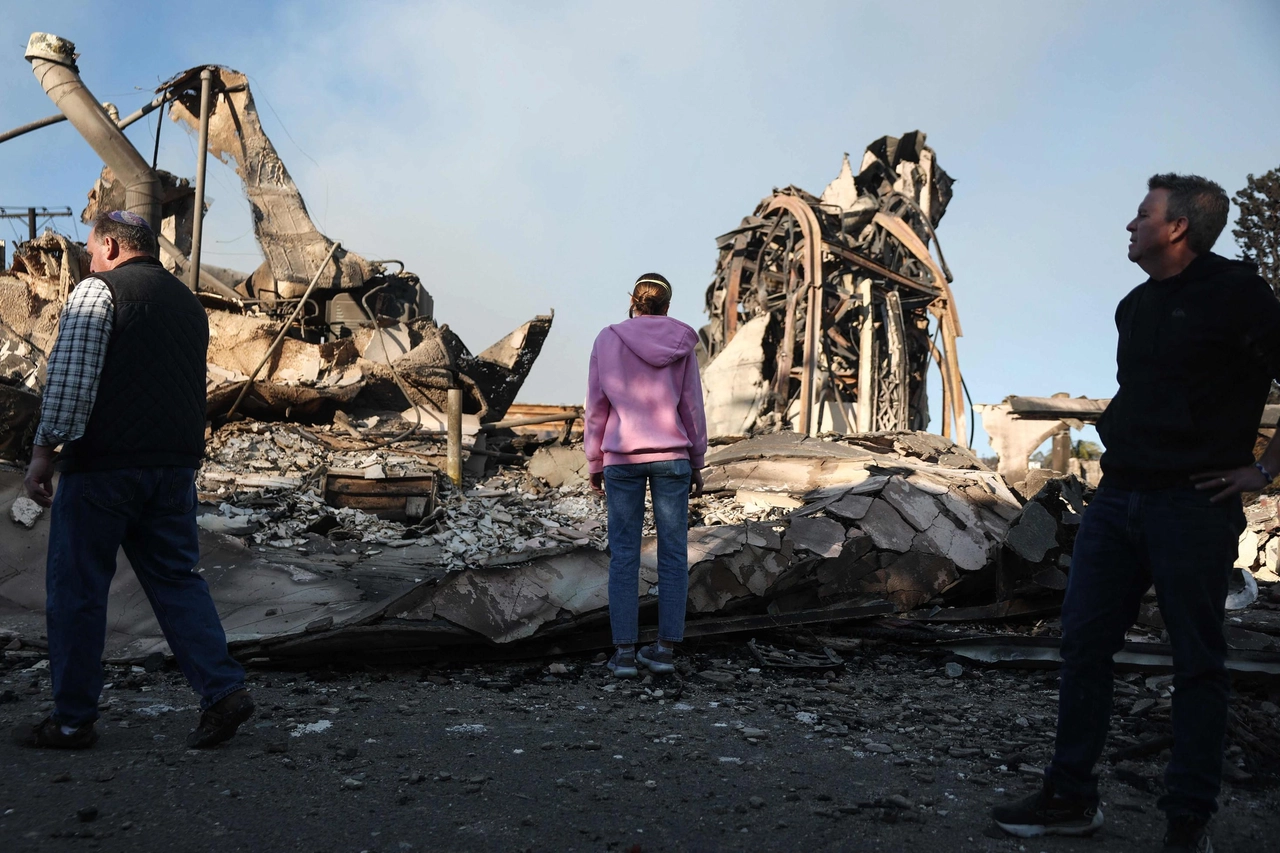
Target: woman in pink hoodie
645 424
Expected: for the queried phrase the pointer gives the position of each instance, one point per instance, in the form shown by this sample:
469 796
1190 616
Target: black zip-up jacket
1195 361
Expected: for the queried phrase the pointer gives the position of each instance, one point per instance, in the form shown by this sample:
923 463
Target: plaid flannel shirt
75 365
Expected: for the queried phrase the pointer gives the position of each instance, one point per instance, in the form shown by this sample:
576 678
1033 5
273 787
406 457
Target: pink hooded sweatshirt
644 396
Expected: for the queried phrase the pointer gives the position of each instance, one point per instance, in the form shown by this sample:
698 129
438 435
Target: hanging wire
324 210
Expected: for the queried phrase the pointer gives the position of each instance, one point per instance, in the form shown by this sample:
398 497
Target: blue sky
521 157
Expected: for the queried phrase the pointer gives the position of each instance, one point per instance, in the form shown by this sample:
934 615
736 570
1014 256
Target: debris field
863 593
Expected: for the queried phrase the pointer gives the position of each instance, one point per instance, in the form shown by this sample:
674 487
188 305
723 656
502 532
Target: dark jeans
151 512
624 488
1185 545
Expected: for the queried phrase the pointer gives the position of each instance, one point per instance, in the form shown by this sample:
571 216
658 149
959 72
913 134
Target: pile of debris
1260 542
791 527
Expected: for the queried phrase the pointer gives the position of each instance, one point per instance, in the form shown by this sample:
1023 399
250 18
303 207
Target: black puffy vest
151 399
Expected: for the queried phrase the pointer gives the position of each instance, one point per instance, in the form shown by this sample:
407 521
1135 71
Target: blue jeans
624 490
1184 544
151 513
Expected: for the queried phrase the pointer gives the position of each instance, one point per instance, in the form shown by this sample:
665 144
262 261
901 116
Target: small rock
1141 707
25 512
87 814
882 748
716 677
899 801
650 784
756 802
954 670
352 784
963 752
591 746
758 734
61 777
558 669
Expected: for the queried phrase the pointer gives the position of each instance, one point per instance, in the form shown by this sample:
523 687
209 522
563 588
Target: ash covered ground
895 751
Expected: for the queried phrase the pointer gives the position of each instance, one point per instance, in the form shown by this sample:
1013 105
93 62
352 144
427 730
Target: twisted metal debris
831 297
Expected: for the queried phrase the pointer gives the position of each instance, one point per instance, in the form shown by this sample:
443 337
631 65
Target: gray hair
1202 202
134 238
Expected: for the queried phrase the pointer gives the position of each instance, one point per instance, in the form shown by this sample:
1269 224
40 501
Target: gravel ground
890 754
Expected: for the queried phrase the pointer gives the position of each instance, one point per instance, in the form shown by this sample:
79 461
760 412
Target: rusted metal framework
850 287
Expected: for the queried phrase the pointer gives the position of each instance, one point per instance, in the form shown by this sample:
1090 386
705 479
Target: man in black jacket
1199 346
125 397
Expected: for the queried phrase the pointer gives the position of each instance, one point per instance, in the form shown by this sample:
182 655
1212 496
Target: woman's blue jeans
1185 545
624 490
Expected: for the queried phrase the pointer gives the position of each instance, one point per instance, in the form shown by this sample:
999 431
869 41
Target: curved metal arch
811 230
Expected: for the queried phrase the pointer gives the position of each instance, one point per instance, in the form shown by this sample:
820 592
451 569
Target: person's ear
1178 229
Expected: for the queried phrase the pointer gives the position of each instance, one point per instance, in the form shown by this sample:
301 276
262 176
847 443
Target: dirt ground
890 753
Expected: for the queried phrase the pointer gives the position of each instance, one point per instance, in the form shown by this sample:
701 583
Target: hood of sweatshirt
657 339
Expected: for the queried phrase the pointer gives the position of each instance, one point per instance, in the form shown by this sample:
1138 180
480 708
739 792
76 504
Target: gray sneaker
659 660
623 664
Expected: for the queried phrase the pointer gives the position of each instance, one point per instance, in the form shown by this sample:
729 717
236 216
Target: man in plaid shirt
124 398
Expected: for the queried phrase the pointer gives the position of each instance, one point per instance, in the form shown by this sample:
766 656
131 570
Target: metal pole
31 223
197 230
807 391
866 357
453 446
35 125
1060 456
280 337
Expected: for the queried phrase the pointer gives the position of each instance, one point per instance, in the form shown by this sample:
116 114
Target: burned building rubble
328 530
819 310
358 331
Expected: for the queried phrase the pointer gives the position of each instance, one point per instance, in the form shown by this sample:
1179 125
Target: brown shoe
47 734
221 719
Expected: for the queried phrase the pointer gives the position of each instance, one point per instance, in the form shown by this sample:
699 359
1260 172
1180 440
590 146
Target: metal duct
53 60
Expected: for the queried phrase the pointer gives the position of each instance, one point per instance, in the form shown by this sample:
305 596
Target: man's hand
39 479
695 484
1231 482
597 482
